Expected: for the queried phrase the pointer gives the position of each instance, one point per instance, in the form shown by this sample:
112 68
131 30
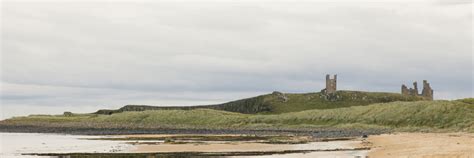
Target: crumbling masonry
331 85
426 93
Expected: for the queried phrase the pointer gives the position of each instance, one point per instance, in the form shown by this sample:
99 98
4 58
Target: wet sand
241 147
233 143
13 145
165 135
422 145
214 147
259 147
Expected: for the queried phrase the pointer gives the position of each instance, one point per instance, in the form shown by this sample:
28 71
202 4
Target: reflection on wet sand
164 146
286 153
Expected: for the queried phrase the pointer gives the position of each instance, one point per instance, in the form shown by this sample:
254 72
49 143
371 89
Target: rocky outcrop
281 96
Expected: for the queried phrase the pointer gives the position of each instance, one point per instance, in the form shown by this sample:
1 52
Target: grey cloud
143 50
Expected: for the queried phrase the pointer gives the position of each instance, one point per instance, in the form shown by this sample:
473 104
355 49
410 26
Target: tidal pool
13 145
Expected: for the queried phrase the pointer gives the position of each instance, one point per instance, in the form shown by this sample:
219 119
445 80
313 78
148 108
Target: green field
399 116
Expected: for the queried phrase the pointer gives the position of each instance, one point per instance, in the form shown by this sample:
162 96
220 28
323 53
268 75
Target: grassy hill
277 102
401 116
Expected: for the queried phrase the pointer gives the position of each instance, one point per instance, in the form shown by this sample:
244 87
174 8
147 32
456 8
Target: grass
467 100
402 116
308 101
435 115
275 104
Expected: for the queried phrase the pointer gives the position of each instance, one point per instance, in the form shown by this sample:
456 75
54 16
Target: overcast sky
84 55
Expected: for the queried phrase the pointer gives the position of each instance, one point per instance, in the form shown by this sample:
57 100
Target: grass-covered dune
277 102
398 116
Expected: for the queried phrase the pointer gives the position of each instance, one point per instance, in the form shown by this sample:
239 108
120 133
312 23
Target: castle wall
426 93
405 90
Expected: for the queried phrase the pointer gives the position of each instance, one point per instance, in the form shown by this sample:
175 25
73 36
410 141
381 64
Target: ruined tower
415 88
405 90
331 84
426 93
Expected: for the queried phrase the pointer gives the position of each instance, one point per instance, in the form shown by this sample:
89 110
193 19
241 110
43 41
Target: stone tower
331 84
405 90
415 88
426 93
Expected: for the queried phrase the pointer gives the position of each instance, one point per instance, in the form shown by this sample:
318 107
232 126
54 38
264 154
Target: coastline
52 145
383 145
319 133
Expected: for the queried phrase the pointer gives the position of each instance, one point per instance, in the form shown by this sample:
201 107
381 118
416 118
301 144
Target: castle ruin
331 85
426 93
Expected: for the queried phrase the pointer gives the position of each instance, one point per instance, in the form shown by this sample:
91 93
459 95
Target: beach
413 145
16 145
421 145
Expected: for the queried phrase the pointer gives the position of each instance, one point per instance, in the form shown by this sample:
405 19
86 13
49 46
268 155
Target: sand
241 147
167 135
422 145
208 147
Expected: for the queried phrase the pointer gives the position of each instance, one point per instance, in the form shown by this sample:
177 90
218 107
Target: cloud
57 53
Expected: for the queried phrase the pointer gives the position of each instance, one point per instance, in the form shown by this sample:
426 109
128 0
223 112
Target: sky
84 55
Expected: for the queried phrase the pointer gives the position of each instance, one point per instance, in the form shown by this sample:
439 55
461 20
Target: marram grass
400 116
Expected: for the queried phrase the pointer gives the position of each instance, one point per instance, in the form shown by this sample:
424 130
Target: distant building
426 93
331 85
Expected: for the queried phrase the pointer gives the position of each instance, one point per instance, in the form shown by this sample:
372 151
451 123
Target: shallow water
14 144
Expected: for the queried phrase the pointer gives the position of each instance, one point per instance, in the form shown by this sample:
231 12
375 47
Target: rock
67 113
281 96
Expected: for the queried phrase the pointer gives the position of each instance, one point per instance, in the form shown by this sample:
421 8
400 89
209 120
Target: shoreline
318 133
384 145
193 154
77 146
